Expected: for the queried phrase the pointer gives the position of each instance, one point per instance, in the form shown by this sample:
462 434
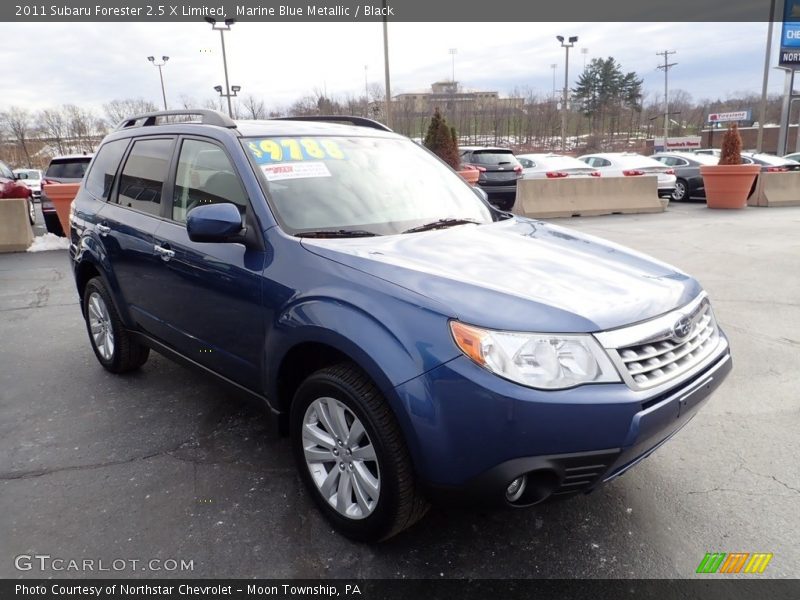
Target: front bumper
473 432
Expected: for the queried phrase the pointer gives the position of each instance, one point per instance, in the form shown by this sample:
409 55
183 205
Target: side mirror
215 223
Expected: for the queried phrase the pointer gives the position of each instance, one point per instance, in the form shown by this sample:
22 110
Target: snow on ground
49 241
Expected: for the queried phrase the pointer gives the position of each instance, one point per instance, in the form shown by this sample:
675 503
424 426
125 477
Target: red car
11 188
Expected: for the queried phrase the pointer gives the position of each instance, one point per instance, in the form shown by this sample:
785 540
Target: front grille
665 356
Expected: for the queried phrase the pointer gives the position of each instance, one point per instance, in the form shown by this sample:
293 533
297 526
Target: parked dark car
414 341
62 169
10 187
688 182
499 172
769 162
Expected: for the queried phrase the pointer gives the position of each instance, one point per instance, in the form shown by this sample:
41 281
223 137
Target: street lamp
235 89
565 101
222 28
453 52
164 60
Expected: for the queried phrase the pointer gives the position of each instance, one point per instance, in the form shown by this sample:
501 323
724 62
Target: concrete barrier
776 189
16 234
585 196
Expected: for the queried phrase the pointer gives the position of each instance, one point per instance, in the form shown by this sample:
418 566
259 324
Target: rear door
128 223
211 307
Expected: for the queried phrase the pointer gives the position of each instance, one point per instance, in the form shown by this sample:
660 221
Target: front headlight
538 360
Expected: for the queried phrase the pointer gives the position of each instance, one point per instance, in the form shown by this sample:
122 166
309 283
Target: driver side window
205 176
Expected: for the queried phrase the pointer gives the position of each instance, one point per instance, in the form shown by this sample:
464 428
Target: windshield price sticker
294 149
297 170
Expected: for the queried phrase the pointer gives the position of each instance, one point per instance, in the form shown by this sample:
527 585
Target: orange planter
470 175
727 186
62 195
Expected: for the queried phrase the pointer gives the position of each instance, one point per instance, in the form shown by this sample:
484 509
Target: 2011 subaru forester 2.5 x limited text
414 342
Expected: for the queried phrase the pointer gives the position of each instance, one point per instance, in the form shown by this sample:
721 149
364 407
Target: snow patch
49 241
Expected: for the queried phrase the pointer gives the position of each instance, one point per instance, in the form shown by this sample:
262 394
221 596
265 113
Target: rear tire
31 212
113 346
352 456
681 191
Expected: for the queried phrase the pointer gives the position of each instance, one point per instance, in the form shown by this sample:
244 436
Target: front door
212 309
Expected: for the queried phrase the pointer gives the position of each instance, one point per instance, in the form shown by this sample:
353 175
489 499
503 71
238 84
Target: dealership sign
689 142
790 34
739 115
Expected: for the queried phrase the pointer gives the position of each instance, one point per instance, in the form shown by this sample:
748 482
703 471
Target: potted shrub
443 142
728 183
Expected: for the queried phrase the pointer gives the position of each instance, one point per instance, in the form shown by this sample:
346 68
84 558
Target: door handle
164 253
103 230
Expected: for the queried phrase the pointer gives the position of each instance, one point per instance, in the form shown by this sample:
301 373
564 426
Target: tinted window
68 168
493 157
205 176
105 166
143 176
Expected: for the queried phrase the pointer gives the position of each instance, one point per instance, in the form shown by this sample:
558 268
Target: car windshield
370 184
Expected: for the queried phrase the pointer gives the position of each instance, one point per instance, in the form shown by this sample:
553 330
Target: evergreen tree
604 90
441 140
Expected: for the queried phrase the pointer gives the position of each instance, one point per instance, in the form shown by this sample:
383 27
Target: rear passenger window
143 176
205 176
104 167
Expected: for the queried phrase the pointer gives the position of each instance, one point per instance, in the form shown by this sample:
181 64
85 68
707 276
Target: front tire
113 346
352 456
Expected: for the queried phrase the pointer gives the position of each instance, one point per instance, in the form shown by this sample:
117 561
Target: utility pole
666 66
762 114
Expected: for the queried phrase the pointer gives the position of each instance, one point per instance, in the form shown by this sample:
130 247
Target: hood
520 275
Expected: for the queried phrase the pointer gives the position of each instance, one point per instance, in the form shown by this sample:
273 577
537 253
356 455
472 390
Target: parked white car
630 164
554 166
31 178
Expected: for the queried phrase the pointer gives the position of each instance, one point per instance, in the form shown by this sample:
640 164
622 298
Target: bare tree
53 125
118 110
17 121
253 108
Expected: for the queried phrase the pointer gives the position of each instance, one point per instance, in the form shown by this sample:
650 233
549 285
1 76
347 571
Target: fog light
515 488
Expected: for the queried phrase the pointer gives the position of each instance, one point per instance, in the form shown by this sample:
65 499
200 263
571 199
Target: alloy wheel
341 458
100 326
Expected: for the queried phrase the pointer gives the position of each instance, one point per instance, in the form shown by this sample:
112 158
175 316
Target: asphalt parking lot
166 464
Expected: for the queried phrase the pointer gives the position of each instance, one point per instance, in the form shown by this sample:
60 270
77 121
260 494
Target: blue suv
415 342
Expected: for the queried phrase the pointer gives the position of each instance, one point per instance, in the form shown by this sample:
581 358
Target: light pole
366 92
226 26
386 76
164 60
453 52
235 89
584 51
565 102
554 66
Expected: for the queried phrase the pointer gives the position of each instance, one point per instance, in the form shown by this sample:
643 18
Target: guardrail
586 196
776 189
16 234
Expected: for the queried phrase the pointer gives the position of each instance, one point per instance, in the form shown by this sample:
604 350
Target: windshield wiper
441 224
337 233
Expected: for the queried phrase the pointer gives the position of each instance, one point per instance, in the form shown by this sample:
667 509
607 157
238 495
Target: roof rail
207 117
357 121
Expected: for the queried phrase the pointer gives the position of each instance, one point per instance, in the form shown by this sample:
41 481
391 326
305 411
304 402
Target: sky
93 63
